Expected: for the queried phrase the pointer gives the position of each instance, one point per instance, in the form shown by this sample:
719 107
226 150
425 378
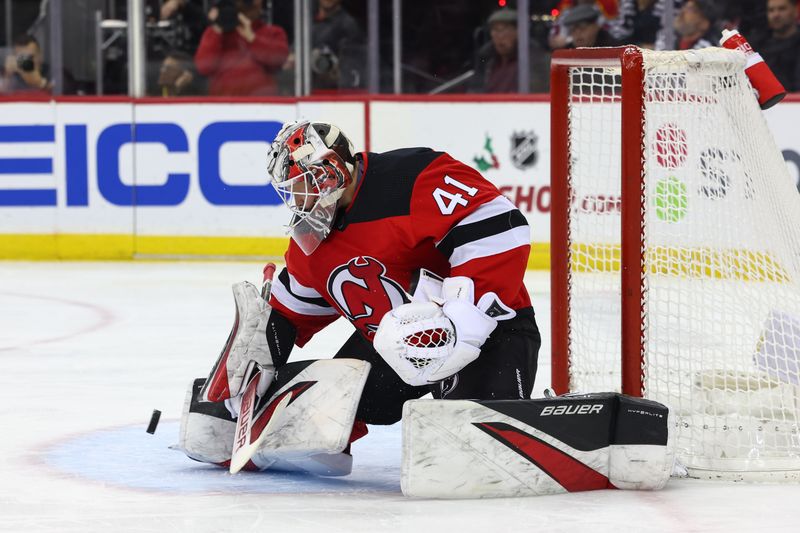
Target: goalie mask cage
675 242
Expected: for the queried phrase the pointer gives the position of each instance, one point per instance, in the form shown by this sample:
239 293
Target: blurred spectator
781 49
638 23
559 34
238 53
336 41
496 70
440 42
696 25
186 24
172 25
583 27
749 17
176 76
24 70
609 9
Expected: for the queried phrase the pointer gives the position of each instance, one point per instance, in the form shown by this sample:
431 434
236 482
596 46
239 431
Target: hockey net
676 252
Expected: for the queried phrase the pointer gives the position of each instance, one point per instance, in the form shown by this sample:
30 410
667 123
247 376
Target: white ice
88 350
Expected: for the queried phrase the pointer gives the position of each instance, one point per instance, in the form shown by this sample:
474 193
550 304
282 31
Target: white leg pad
640 467
480 449
313 430
207 429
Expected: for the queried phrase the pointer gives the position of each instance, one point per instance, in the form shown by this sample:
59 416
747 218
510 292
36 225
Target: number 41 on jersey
447 200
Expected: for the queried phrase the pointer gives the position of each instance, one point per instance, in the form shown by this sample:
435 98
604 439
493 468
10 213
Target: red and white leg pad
304 421
207 429
480 449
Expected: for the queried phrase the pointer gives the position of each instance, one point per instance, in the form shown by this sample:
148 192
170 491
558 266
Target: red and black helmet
310 164
300 145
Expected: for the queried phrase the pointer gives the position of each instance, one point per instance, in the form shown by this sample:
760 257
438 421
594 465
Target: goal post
675 252
628 98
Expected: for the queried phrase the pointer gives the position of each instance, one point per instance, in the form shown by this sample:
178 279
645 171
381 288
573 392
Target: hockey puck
151 428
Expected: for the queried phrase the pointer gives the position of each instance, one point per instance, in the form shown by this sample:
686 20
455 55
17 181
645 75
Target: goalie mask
310 165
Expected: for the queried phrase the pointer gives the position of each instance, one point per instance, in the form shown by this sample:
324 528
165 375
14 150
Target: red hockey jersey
414 208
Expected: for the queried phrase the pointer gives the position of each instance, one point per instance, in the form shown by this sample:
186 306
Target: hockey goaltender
426 259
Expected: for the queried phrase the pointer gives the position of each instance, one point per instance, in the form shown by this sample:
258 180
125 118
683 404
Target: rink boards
132 178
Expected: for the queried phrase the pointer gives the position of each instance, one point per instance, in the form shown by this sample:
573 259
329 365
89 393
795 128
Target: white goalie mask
310 164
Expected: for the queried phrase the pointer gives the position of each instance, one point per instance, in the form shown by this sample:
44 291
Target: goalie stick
243 447
266 283
244 444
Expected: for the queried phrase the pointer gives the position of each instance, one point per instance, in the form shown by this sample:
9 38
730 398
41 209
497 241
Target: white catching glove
424 342
246 346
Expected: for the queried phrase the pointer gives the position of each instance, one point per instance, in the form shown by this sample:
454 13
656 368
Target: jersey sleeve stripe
299 304
491 245
494 207
463 234
301 291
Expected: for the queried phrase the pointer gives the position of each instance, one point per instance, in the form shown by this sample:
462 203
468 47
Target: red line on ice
103 319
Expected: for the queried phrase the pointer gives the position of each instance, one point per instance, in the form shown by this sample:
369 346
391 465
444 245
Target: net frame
633 310
632 220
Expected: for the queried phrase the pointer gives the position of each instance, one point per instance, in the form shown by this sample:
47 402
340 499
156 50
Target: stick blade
245 445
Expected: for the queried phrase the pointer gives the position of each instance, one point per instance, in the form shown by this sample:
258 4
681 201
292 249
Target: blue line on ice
130 457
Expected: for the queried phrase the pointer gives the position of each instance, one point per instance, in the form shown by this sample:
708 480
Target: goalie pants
505 370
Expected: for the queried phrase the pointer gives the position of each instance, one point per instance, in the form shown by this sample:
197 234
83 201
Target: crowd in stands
237 48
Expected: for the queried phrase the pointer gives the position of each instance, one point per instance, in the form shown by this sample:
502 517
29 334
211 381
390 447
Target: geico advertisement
198 169
509 143
149 169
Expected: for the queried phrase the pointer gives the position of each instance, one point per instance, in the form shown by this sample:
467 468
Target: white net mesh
721 311
427 344
595 223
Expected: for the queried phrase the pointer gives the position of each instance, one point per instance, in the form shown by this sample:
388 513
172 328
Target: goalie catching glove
246 346
425 342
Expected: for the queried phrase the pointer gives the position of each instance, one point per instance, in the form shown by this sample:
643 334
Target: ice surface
88 350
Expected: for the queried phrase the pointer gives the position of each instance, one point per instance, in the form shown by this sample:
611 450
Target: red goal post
629 59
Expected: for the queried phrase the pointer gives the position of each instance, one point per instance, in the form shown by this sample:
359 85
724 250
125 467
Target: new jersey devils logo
363 293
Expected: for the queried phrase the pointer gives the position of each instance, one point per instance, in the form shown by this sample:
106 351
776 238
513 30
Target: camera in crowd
166 35
25 63
228 13
323 61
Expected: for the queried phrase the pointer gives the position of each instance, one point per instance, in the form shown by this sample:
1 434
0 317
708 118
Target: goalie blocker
500 448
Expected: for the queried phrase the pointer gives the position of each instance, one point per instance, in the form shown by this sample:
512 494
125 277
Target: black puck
151 428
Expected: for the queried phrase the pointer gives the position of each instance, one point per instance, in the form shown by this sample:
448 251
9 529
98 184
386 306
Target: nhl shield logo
524 153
